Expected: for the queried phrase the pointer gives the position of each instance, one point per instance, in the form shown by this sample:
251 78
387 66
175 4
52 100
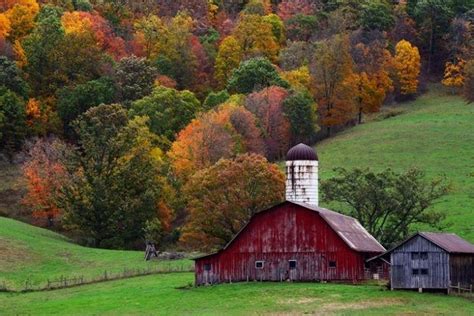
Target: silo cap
301 152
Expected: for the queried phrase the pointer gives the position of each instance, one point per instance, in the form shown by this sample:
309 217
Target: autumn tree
373 65
253 75
222 198
267 105
228 58
170 40
223 133
255 37
5 26
407 65
331 67
22 19
114 186
169 110
134 78
289 8
454 75
45 176
387 203
299 79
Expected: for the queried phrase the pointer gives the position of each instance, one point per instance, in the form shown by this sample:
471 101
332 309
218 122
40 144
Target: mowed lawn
33 254
434 133
162 295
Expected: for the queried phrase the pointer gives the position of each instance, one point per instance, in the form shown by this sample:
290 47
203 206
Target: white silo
302 175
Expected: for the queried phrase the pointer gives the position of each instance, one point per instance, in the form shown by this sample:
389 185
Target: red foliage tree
267 105
45 175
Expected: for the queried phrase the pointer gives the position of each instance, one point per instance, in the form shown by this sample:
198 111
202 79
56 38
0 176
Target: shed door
398 276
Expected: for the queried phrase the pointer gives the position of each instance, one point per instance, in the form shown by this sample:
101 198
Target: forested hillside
162 121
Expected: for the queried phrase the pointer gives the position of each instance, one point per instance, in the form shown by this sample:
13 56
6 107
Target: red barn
292 241
296 240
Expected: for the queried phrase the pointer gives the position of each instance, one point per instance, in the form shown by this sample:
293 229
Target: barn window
419 256
414 271
207 267
332 264
292 264
259 264
424 271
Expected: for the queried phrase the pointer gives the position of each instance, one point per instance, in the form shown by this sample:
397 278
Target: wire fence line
67 282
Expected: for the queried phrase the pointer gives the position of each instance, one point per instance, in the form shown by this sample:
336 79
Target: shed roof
449 242
452 243
348 228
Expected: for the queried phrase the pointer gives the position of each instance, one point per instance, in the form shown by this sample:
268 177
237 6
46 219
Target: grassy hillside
162 295
434 133
36 254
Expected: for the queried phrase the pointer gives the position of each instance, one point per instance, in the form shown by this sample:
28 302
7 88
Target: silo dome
301 152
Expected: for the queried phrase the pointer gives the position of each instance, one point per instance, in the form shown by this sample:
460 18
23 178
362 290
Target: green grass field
161 295
434 133
33 254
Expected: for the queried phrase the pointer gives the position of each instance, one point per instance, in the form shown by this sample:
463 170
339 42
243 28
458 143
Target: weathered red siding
286 232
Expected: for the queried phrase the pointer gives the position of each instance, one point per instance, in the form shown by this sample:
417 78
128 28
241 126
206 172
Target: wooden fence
459 289
65 282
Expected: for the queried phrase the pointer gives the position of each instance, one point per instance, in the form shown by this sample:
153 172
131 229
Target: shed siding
437 263
462 269
288 232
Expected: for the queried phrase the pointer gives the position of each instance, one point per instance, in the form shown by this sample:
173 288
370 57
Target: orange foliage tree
5 26
331 69
223 133
45 175
371 80
222 198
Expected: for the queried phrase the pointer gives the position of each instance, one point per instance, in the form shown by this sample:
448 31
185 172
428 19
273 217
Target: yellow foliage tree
407 65
5 26
73 22
22 18
20 56
256 37
228 58
454 74
299 79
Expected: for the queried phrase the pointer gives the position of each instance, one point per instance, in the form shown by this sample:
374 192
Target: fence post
459 287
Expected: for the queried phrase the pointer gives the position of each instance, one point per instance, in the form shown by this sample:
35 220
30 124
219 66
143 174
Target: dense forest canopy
123 109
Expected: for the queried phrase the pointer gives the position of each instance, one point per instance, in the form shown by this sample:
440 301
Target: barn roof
348 228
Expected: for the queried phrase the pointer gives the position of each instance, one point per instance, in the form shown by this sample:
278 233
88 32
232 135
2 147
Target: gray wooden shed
431 261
